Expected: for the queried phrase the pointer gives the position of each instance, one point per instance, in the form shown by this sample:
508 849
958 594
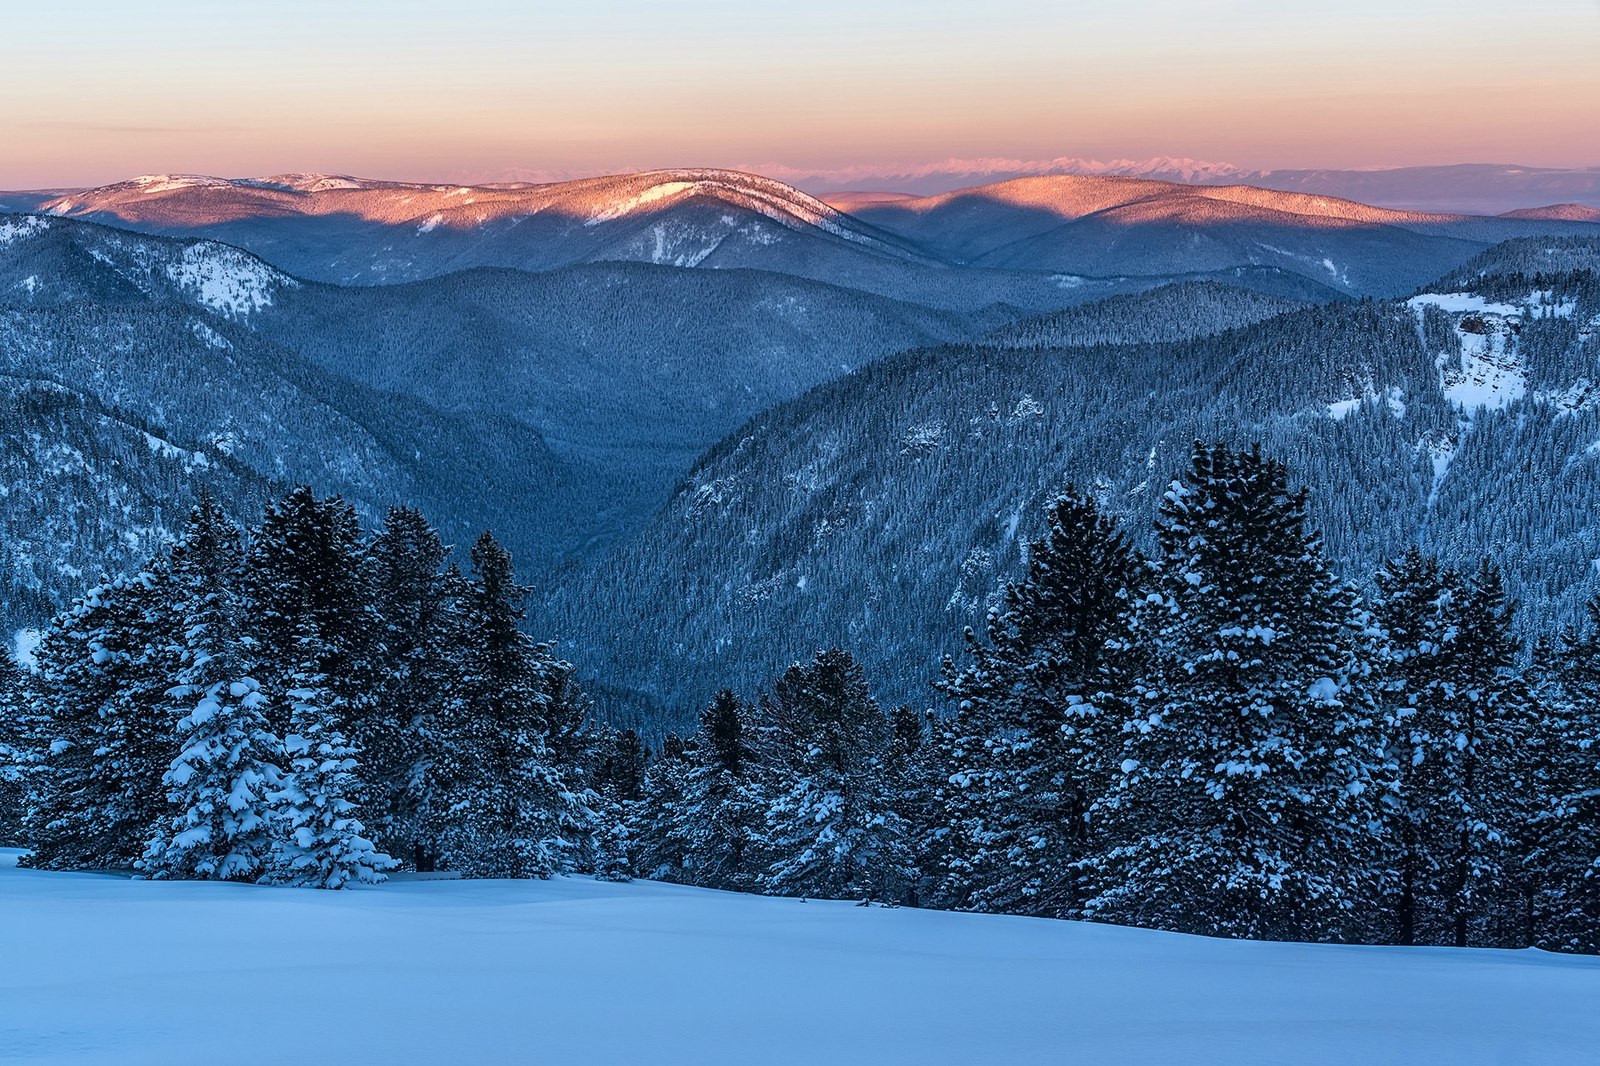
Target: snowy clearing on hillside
101 969
21 228
226 279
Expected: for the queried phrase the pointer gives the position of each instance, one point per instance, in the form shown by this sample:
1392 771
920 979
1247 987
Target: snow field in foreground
100 969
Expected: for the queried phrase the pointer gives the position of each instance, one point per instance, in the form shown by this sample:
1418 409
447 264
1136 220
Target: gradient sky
98 90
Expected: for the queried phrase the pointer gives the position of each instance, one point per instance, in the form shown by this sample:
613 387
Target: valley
713 415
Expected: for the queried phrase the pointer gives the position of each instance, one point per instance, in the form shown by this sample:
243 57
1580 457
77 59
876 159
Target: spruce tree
512 813
617 780
1563 837
659 819
417 602
722 823
1046 696
17 759
309 576
220 823
1460 736
1414 612
79 817
1245 804
325 844
832 827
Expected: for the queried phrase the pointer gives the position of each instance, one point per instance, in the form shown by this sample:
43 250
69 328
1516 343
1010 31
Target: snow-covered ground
101 969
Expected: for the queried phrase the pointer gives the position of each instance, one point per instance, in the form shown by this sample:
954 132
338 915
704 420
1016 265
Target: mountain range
721 422
1464 188
1032 237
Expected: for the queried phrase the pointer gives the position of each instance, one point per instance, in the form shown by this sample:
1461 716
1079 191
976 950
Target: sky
102 90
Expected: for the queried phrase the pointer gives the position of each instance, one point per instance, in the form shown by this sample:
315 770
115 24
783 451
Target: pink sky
489 89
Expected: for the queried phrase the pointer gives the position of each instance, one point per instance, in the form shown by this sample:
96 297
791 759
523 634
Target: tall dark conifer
220 822
1245 805
512 811
833 828
1045 697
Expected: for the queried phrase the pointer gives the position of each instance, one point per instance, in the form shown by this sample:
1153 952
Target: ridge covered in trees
1217 735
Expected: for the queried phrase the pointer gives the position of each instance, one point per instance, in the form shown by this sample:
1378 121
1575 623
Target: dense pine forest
1214 734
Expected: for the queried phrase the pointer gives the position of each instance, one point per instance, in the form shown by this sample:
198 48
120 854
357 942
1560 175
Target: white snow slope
100 969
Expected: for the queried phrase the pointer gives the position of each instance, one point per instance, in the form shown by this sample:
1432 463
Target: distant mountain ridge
1036 243
1462 188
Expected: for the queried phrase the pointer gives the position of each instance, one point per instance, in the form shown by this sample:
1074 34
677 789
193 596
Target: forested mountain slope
882 511
439 393
129 378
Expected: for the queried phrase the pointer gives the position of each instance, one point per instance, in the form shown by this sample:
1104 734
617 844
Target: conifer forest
1219 735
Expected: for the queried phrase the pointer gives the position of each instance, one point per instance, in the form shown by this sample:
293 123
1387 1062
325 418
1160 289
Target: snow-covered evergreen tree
17 758
722 822
833 829
1044 699
325 845
511 811
1414 613
418 688
309 572
1459 731
1245 805
1487 800
1562 853
92 701
220 823
659 818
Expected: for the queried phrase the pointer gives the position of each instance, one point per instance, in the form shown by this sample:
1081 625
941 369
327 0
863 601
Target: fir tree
832 828
325 843
310 577
1046 697
98 726
17 760
1459 742
1245 804
1414 614
659 818
618 767
220 824
417 691
723 818
1486 784
511 811
1563 839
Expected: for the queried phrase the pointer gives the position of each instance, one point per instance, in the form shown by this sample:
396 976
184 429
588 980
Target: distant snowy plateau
573 970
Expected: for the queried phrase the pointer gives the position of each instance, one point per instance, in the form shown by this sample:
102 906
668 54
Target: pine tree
1563 838
722 821
659 819
908 772
220 824
618 767
417 691
17 760
511 811
1487 783
1460 732
136 743
1414 614
1045 698
325 843
78 818
832 829
1245 806
309 575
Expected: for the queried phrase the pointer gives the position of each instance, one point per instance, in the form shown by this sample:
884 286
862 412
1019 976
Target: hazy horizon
500 92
